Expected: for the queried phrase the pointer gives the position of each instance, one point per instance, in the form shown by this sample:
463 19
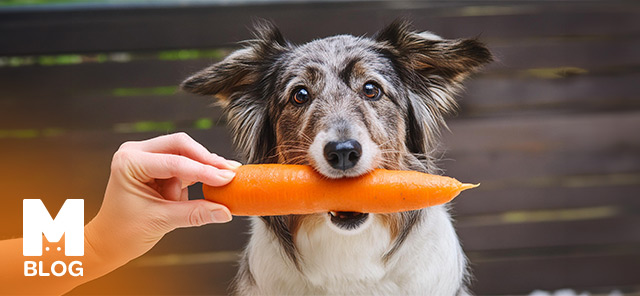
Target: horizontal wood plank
616 230
599 274
513 197
515 96
34 31
595 53
537 146
199 279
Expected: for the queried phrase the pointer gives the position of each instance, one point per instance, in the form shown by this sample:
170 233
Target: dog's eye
300 97
371 91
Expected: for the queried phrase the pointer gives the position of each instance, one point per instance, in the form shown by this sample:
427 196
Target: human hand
146 196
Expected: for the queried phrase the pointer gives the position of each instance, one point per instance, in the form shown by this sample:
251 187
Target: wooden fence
551 130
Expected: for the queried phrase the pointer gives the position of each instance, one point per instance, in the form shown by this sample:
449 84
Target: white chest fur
429 262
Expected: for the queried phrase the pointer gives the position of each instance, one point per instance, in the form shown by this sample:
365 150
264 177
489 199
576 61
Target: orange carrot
278 189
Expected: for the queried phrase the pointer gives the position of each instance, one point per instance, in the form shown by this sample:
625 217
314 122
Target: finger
195 213
184 196
149 166
183 144
186 184
170 189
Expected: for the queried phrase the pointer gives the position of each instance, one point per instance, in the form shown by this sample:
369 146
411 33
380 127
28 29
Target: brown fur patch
392 222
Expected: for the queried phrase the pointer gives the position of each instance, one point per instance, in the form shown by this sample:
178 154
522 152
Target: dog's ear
240 82
427 54
433 68
241 68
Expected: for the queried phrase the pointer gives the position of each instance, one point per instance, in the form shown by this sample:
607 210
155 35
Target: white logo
37 221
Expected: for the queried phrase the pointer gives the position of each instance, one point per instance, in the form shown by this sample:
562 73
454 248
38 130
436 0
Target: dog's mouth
348 220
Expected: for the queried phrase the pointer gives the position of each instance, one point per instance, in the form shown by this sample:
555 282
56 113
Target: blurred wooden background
551 130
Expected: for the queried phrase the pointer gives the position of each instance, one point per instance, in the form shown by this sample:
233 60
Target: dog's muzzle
344 155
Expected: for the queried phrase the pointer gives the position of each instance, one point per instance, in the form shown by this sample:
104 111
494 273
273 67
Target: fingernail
227 174
220 216
234 164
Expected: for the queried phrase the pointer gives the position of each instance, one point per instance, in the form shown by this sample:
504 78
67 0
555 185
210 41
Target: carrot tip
466 186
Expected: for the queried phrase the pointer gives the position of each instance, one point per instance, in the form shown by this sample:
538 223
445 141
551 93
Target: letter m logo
37 221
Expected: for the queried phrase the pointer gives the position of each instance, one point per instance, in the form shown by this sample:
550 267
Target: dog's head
344 105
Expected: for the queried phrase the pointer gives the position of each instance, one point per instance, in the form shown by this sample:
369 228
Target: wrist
100 255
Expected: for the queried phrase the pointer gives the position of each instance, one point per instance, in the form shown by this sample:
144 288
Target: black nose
343 155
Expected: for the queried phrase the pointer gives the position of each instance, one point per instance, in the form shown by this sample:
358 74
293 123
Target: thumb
196 213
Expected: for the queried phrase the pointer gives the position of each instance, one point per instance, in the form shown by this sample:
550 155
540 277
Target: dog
346 105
